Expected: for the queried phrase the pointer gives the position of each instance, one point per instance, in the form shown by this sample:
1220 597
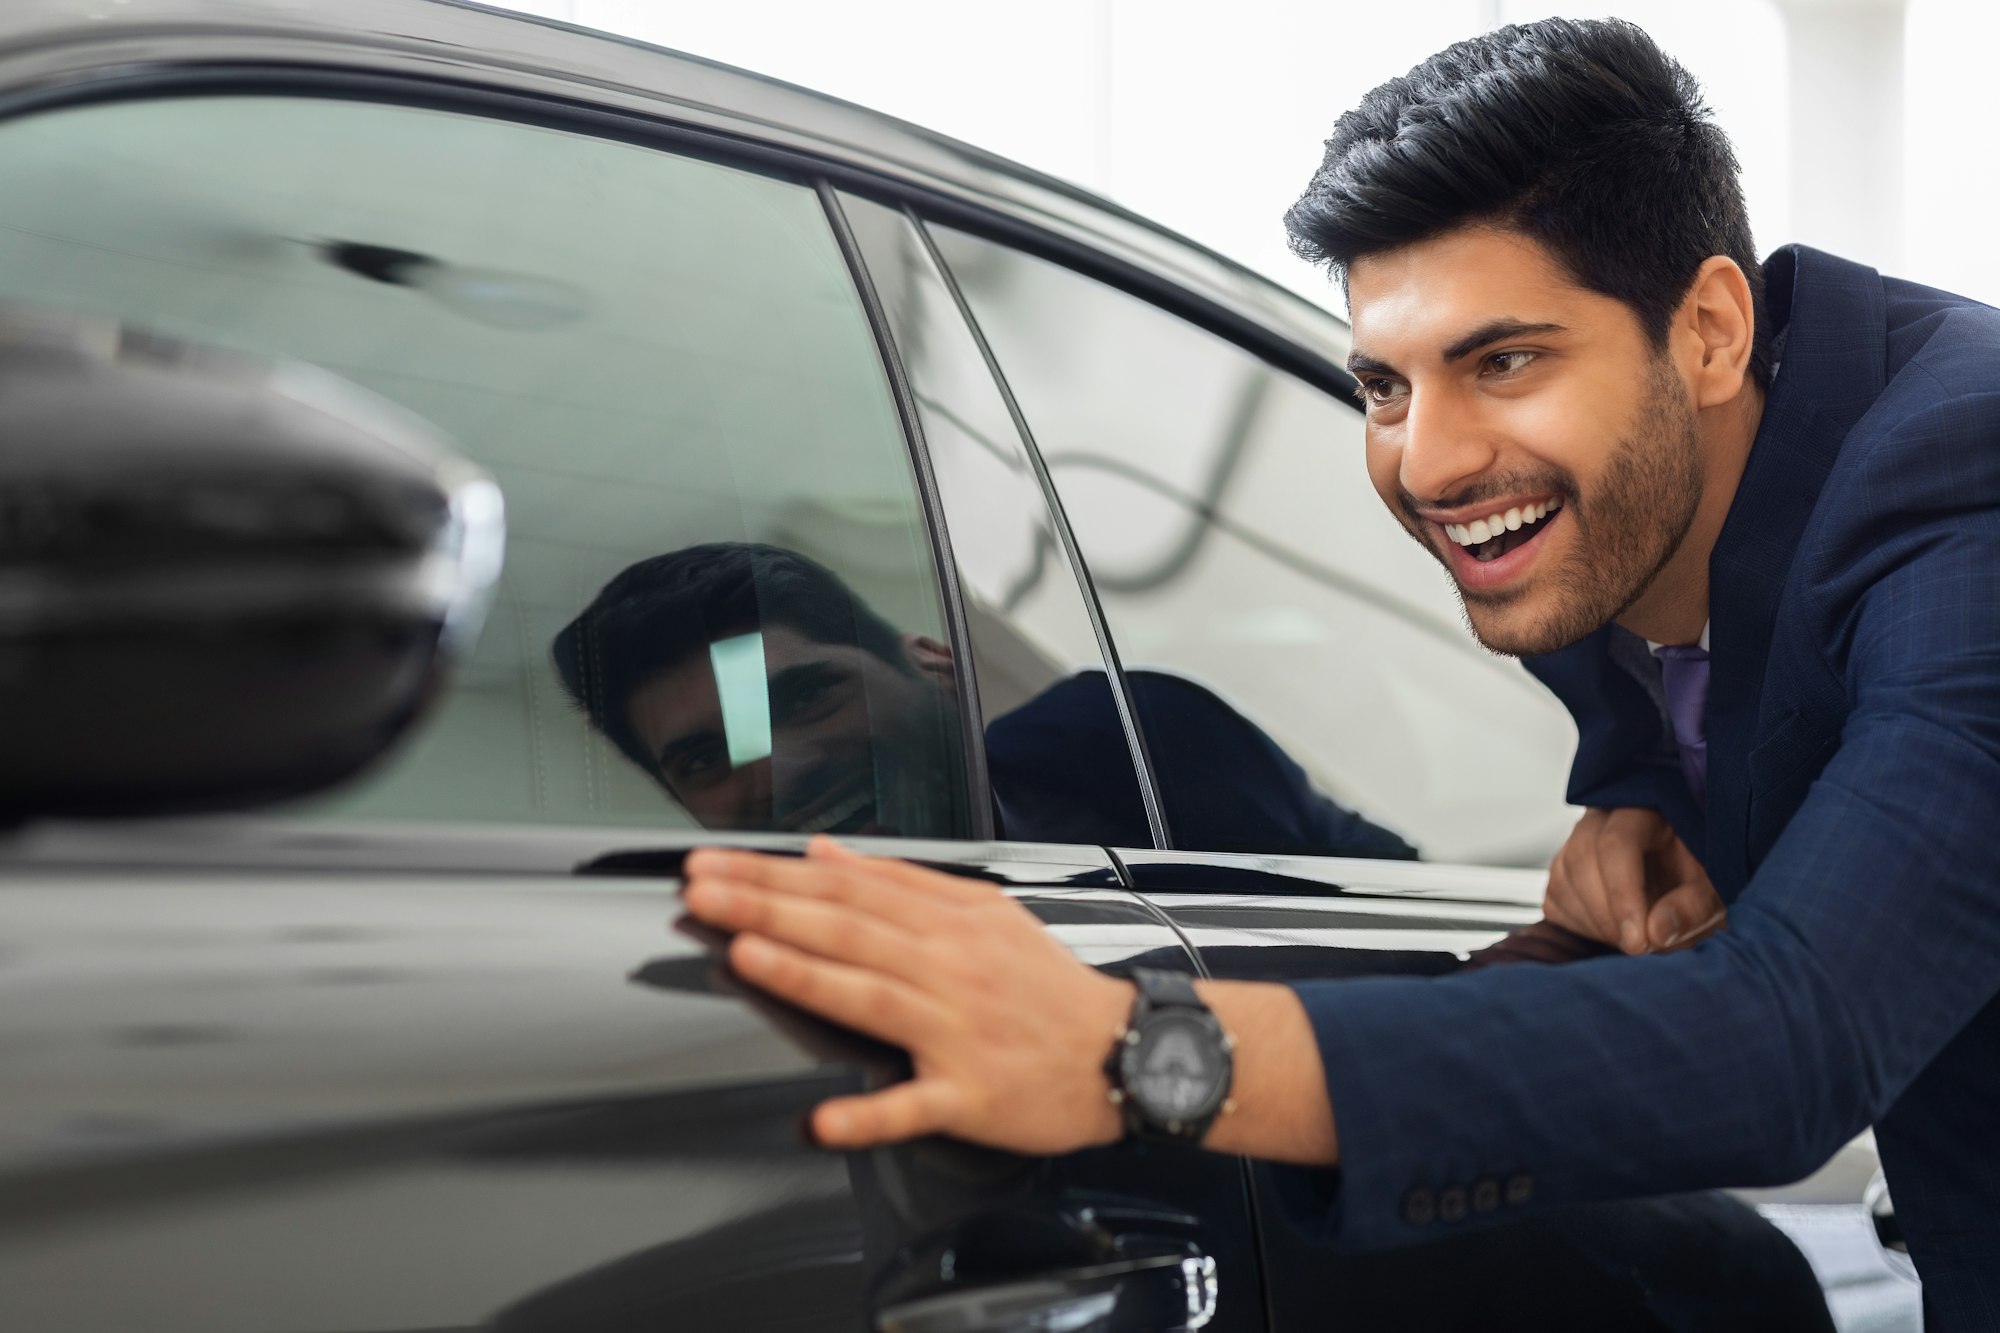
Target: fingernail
750 952
1670 921
830 1126
1632 939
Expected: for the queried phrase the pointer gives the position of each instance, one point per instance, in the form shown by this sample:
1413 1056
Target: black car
853 480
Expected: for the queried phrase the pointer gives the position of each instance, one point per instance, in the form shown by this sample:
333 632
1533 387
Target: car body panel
272 1097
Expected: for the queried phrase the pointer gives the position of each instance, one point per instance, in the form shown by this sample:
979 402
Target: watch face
1177 1070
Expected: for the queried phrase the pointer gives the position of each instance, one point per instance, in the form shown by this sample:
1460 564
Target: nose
1444 447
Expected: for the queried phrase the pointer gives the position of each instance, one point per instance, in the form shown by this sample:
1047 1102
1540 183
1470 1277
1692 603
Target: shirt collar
1654 648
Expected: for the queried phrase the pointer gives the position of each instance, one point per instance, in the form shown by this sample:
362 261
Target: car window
1058 751
1300 667
719 606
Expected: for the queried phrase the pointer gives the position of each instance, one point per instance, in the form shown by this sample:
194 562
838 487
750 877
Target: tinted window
719 604
1057 746
1312 687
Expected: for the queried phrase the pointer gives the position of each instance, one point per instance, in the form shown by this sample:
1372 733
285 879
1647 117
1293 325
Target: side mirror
222 581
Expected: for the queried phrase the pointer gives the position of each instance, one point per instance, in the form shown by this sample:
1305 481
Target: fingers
858 883
1621 849
1599 883
1685 915
952 888
905 1111
814 925
1576 897
883 1007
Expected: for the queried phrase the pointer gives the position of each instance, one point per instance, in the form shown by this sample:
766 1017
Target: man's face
1497 387
856 745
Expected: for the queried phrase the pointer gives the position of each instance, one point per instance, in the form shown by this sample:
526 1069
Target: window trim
1121 694
979 790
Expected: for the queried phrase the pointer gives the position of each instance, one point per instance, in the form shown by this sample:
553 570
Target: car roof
69 49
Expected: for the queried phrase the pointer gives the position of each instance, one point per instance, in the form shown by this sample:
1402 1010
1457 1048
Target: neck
1674 606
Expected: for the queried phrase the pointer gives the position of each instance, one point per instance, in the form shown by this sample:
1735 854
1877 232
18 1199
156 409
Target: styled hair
1581 135
662 610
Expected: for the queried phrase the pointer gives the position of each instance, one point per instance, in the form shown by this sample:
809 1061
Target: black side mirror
222 581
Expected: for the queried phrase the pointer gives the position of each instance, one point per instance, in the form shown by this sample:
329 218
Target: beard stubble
1627 529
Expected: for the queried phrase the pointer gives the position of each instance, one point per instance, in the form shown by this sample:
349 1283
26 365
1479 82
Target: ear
1717 325
931 659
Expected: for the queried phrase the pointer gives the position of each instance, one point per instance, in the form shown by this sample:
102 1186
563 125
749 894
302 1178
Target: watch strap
1166 989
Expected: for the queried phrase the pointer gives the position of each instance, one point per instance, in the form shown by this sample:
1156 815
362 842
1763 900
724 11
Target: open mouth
1487 539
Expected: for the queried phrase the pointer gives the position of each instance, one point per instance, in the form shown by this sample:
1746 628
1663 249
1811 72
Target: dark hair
1579 134
662 610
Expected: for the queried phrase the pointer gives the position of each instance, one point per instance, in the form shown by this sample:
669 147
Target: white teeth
1484 529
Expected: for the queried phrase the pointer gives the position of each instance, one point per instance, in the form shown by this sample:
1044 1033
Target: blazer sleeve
1867 938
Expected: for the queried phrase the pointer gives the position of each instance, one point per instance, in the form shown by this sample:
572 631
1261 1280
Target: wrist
1283 1113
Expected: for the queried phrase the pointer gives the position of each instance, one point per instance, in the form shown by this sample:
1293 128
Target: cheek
1572 434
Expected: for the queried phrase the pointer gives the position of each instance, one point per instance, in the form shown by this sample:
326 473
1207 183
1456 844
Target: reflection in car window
664 363
1057 750
1225 516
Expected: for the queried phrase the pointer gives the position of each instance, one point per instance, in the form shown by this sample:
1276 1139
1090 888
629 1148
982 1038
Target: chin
1519 630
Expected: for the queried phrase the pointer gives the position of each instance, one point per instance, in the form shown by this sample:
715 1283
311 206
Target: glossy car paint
267 1089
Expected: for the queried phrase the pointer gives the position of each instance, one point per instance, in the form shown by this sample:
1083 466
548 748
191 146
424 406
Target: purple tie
1684 676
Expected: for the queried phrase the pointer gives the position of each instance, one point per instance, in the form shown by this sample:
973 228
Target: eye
1507 363
1374 389
807 695
700 767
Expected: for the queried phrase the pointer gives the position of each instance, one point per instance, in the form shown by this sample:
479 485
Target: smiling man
1744 520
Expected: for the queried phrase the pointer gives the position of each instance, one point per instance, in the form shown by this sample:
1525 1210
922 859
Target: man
855 722
1557 312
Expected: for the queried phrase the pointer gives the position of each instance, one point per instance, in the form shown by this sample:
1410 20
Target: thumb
1684 914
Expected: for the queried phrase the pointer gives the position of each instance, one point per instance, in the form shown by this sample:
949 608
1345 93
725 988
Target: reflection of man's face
856 745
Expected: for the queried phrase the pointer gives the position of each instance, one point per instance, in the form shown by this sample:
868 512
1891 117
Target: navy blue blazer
1852 825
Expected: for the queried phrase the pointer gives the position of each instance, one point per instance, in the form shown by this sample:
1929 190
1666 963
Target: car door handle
1157 1294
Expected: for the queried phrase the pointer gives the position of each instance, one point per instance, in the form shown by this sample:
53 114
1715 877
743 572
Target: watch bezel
1130 1074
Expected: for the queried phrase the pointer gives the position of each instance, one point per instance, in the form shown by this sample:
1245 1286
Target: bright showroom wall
1209 117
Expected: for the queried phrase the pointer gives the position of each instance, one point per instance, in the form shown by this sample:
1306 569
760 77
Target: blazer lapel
1831 316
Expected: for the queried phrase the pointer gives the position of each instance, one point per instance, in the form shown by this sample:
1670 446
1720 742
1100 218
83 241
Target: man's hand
1624 878
1007 1031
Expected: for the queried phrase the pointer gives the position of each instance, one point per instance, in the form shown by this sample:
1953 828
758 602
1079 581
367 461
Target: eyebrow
1492 331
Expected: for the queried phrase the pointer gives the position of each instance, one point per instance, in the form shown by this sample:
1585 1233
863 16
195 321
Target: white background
1209 117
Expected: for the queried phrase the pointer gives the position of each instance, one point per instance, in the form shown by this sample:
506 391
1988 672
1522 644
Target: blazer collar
1831 316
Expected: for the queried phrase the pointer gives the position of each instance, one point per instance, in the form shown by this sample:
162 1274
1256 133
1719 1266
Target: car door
1346 782
424 1052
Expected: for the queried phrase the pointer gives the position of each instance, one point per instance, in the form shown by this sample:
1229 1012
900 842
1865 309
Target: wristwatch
1170 1067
